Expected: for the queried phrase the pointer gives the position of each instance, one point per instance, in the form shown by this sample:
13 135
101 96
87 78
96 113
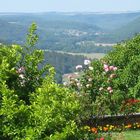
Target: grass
132 135
127 135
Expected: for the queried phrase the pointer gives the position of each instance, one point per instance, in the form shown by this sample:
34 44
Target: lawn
132 135
127 135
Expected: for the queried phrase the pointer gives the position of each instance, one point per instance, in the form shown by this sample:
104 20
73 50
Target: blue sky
68 5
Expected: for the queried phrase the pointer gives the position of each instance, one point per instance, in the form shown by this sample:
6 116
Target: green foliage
112 83
20 66
126 57
51 114
32 105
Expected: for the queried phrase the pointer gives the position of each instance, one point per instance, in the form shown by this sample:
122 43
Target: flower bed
114 123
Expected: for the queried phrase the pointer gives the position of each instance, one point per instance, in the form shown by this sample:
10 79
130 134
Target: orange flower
129 126
94 130
105 128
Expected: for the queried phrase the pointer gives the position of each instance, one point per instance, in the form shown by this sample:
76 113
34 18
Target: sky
69 5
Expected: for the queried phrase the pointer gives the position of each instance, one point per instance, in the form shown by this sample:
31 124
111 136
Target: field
88 55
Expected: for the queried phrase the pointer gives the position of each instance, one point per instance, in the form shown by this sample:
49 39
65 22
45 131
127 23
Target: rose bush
112 81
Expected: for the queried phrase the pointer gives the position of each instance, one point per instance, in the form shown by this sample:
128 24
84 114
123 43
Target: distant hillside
102 20
128 30
107 21
10 31
71 32
63 62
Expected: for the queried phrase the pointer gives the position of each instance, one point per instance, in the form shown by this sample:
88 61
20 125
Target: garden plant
34 107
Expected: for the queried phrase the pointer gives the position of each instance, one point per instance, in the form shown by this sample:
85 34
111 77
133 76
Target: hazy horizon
39 12
39 6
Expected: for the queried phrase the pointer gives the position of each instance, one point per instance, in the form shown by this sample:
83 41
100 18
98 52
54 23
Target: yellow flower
111 127
128 126
87 128
100 128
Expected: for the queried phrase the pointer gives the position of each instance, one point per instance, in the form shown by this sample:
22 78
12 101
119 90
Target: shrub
32 105
113 81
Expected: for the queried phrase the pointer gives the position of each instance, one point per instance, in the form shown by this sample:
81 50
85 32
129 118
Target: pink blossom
106 66
111 67
106 70
109 88
115 68
110 91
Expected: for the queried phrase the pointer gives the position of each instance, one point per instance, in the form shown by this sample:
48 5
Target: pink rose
106 70
106 66
109 88
110 91
115 68
111 67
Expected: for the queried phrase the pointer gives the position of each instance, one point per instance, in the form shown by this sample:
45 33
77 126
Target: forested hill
71 32
128 30
63 63
11 32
